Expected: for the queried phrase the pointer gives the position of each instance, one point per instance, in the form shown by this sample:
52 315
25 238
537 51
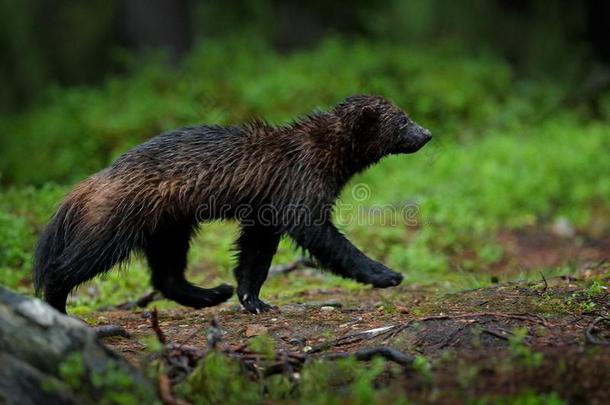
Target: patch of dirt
533 247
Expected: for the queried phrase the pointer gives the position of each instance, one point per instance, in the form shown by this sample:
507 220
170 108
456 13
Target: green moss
111 385
219 380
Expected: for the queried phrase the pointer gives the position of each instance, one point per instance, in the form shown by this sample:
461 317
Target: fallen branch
494 334
105 331
388 353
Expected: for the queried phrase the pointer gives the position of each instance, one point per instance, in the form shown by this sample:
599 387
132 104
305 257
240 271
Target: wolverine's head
378 128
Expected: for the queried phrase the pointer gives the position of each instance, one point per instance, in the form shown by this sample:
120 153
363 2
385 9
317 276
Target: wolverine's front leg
336 253
257 245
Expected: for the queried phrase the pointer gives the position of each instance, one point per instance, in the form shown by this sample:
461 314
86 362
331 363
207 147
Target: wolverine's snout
415 138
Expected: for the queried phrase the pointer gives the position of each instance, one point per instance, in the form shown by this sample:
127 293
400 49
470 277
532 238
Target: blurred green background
517 94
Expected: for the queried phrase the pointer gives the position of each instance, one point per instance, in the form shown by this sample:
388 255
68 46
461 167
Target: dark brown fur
275 181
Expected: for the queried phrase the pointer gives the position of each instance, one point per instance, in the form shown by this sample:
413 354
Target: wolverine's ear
367 119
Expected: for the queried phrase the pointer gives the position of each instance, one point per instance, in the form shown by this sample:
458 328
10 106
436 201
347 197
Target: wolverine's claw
255 305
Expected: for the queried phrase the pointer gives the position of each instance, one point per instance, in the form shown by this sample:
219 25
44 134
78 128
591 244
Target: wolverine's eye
404 123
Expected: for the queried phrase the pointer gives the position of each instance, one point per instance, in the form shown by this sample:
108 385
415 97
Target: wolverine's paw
380 276
254 304
184 293
223 292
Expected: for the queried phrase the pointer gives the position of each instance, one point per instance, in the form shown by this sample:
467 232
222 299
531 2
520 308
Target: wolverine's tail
82 240
52 243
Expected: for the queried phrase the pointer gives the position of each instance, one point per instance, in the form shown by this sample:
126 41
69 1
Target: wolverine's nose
426 134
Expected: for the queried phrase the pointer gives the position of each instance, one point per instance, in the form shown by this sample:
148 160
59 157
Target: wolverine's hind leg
257 245
166 250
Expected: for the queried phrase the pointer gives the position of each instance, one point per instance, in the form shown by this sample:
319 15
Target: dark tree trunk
160 24
598 24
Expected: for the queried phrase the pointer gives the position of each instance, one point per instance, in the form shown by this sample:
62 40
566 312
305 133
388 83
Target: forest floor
549 338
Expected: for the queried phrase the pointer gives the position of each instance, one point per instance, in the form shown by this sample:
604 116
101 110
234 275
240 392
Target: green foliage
117 387
263 345
23 213
219 380
525 398
73 43
596 289
72 371
585 301
84 128
345 381
113 385
423 367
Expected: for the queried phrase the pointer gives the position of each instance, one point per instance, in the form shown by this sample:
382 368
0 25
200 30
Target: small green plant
423 367
520 352
72 371
321 382
218 379
263 344
110 386
595 290
587 307
584 301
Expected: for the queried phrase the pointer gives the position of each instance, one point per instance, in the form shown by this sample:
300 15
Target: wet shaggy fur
274 180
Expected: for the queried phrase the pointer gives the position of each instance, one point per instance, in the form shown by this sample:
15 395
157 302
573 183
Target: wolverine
274 181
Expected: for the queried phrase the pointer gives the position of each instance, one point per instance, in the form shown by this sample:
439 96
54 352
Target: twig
523 317
589 332
546 285
356 337
494 334
165 392
388 353
154 323
449 339
105 331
